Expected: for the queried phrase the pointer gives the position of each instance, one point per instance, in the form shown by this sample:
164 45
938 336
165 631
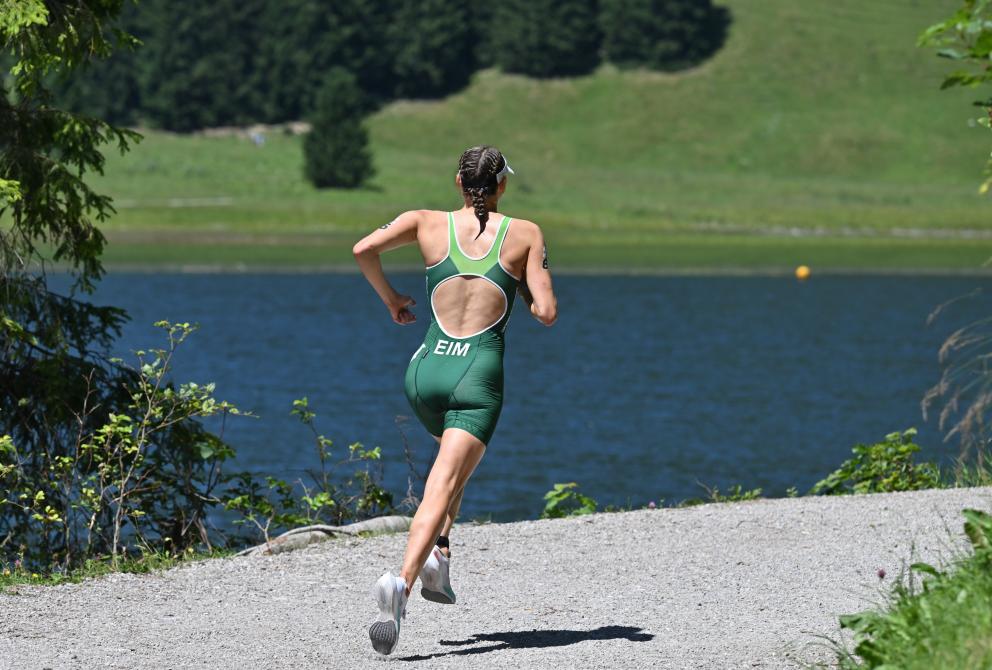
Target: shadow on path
531 639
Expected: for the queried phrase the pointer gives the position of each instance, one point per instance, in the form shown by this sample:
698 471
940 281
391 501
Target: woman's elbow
546 314
362 248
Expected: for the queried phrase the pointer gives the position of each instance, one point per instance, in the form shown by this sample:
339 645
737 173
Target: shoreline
676 255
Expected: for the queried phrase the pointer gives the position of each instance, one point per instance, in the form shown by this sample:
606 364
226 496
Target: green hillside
817 125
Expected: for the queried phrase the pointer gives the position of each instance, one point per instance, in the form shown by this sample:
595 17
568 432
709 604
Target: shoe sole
385 632
437 596
384 636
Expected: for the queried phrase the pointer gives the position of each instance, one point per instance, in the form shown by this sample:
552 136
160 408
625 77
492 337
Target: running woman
455 378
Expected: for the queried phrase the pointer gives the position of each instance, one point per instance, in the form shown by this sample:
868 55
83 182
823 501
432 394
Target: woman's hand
398 309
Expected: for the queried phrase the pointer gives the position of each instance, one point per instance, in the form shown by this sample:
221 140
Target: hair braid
478 195
478 168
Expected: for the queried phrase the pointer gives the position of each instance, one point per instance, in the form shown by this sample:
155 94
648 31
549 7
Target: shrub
336 151
141 479
139 474
326 499
881 467
566 500
735 493
966 37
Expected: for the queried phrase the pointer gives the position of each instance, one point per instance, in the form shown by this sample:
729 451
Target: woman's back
472 276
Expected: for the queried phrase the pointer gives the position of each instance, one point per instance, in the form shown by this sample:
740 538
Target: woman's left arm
398 232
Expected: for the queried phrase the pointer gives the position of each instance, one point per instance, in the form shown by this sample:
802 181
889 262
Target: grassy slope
819 116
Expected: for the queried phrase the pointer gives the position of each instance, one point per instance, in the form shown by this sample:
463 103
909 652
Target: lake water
646 387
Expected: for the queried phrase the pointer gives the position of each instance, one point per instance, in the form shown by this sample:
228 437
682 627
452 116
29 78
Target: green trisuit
457 382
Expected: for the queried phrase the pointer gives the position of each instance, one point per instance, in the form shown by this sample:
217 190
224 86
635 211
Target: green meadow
817 135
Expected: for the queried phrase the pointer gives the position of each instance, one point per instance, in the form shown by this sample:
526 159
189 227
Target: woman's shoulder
420 219
423 214
525 228
520 224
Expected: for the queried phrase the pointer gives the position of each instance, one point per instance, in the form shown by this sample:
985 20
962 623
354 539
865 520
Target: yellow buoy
802 273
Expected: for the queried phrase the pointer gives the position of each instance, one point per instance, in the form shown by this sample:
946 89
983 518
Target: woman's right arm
537 279
400 231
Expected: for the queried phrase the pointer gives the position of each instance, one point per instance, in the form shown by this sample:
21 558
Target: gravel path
746 585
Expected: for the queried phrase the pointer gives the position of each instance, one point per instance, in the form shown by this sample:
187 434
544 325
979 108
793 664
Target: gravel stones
735 585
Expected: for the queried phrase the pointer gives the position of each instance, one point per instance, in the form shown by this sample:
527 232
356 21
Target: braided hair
478 168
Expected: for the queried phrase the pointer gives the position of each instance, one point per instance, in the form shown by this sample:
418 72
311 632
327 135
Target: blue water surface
646 388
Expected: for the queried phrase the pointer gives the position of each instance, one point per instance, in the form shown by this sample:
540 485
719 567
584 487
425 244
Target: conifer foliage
545 38
661 34
336 151
433 44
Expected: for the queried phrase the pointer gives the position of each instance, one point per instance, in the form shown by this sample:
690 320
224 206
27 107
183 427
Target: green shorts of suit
457 383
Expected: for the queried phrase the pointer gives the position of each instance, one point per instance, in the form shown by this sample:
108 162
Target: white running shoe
390 595
434 579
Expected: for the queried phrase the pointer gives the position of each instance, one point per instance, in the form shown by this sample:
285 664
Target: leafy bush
336 151
661 34
735 493
143 479
544 38
881 467
326 499
566 500
966 37
943 623
136 475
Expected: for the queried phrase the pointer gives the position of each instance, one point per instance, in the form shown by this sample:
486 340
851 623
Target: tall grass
942 621
962 397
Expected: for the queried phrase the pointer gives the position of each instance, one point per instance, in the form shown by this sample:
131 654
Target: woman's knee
455 462
443 489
